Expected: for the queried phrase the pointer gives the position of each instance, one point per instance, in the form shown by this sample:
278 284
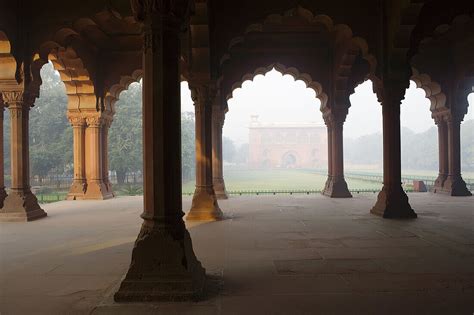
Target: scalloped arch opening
433 92
342 34
8 66
76 78
284 70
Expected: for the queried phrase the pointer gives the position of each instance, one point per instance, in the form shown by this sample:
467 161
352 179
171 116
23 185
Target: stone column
79 184
330 172
336 186
105 156
218 117
94 153
204 206
443 153
164 266
454 184
392 201
3 193
20 204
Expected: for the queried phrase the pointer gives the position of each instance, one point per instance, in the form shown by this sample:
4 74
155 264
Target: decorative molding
94 121
76 120
174 10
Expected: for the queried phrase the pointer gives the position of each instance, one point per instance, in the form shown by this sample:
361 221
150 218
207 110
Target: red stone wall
287 147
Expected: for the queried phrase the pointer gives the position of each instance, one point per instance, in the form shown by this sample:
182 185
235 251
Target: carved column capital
76 120
159 15
94 121
202 95
178 9
335 117
393 91
453 118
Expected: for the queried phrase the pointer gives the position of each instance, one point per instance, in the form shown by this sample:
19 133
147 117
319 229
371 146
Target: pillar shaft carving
20 204
442 152
336 186
105 154
79 184
204 206
90 156
218 117
454 184
392 201
3 193
164 266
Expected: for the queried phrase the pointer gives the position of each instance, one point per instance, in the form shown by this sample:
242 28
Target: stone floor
275 255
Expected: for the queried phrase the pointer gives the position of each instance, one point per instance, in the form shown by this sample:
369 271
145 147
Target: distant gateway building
284 145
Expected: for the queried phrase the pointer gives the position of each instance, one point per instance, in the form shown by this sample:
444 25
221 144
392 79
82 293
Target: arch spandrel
8 65
329 57
227 90
453 43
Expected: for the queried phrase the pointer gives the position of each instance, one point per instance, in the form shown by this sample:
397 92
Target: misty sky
279 98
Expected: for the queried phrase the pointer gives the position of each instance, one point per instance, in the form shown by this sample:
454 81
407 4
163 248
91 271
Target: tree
50 131
228 150
125 135
242 155
188 153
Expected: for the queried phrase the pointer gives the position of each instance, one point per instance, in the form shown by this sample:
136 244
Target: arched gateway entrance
217 45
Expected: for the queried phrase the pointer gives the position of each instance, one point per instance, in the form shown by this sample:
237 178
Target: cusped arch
348 50
8 65
76 78
113 94
342 33
433 91
295 73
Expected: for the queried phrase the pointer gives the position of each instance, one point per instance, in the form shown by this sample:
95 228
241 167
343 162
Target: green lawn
259 180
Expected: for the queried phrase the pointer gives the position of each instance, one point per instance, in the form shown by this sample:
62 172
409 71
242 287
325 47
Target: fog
278 98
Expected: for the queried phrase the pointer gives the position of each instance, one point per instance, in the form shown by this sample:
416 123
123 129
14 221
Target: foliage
242 155
125 134
125 137
419 150
131 190
188 146
50 131
228 150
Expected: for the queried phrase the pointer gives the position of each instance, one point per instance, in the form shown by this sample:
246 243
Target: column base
219 189
393 204
77 190
204 206
21 206
336 188
3 195
163 268
97 190
455 186
438 184
108 186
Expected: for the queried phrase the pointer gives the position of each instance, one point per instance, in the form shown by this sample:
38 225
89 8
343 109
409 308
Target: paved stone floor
274 255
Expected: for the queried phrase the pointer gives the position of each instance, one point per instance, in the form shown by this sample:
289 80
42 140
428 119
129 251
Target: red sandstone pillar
95 185
3 193
105 156
454 184
336 186
20 204
79 185
443 153
392 201
330 171
218 117
164 266
204 206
